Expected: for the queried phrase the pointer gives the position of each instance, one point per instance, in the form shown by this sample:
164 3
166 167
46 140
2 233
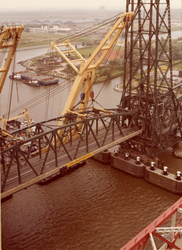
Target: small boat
33 83
15 76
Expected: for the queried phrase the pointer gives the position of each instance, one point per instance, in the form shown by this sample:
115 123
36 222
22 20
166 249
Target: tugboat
15 76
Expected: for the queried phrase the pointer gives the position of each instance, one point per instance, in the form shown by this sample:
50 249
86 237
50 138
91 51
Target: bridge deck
78 150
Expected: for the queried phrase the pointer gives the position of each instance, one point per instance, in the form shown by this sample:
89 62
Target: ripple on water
95 207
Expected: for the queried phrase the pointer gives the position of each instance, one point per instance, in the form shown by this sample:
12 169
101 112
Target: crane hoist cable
90 29
116 54
47 103
53 94
11 87
111 68
48 95
41 98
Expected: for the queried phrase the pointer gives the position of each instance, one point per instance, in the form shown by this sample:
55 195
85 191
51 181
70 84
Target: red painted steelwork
142 238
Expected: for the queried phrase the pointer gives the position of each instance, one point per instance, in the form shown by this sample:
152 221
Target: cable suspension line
90 29
41 98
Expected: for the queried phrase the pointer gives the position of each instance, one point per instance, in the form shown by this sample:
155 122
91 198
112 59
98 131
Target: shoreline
39 46
32 47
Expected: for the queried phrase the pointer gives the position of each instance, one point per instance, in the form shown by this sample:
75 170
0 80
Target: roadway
78 150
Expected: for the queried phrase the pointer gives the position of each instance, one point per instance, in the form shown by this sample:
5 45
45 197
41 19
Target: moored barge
33 83
147 169
32 79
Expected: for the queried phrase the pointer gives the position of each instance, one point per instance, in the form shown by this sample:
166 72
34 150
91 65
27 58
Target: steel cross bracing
148 86
44 153
163 233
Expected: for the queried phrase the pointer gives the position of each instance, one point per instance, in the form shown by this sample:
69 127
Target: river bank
56 67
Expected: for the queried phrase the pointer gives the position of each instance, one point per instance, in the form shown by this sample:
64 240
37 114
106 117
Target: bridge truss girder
148 86
45 153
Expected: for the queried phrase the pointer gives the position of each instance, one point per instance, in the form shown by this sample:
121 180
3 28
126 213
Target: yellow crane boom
87 70
9 38
86 73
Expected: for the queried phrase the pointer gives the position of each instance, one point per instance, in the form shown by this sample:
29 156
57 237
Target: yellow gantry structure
9 38
86 73
24 113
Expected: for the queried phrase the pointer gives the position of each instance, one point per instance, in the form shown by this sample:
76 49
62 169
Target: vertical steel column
147 128
113 127
86 124
2 155
153 124
170 47
70 137
131 58
55 149
38 130
45 159
122 102
7 172
18 165
40 151
140 46
97 126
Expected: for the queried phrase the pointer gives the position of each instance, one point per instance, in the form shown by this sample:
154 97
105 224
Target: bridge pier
128 165
103 157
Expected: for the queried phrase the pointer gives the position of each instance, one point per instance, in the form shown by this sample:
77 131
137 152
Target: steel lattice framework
44 153
163 233
148 86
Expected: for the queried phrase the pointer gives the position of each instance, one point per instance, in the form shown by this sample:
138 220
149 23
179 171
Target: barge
31 77
128 165
140 168
63 171
164 179
47 81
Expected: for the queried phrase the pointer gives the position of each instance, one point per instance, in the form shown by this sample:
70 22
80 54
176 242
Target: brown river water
95 207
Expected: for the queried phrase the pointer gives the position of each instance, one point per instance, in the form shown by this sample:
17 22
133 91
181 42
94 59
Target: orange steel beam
142 238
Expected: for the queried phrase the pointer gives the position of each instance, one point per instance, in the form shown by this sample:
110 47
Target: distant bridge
44 153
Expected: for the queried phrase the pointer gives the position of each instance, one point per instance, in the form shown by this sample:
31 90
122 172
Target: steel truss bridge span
44 152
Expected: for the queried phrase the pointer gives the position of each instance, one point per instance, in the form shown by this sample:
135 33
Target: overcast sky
70 4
